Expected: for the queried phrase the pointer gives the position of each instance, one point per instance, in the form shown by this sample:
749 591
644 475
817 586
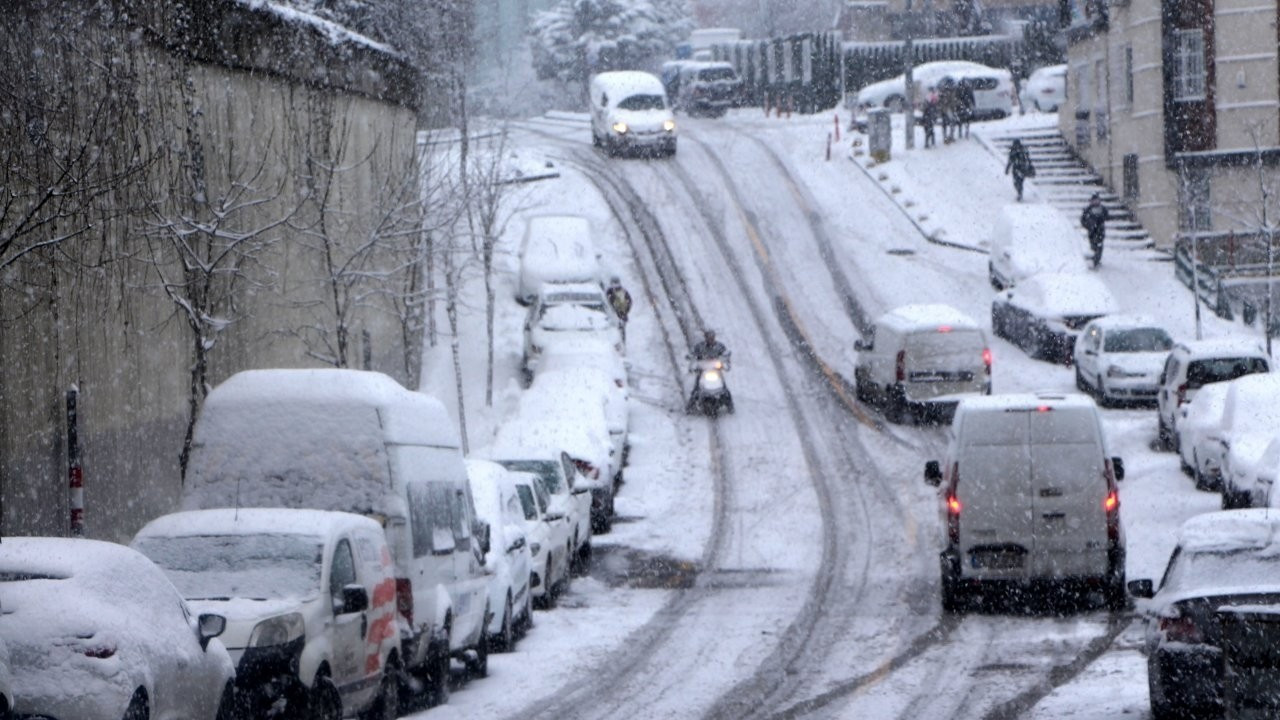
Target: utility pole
1195 240
908 52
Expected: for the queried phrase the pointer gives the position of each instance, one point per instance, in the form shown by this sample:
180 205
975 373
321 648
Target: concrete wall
260 141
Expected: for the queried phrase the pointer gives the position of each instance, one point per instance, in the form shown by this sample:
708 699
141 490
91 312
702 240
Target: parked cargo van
920 360
556 249
1029 497
1028 239
356 441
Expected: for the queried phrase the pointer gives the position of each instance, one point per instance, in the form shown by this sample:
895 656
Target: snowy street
797 535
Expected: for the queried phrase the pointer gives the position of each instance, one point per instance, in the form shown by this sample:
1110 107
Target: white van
629 111
1028 239
556 249
309 598
356 441
1029 496
920 360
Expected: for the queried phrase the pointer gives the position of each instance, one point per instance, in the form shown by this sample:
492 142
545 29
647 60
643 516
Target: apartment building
1176 103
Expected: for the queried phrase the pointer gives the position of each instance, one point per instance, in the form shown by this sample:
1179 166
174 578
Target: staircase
1065 182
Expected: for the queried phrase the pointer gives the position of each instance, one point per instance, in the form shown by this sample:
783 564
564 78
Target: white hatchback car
1195 420
1250 416
892 93
1045 89
568 312
95 630
1118 359
1194 364
309 597
556 249
508 560
547 533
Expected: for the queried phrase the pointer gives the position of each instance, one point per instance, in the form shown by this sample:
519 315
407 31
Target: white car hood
1149 364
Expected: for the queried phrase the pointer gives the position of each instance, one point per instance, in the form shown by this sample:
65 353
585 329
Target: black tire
954 599
526 622
895 410
997 324
478 664
1164 435
139 708
1114 595
505 639
437 680
860 388
1080 384
386 706
324 702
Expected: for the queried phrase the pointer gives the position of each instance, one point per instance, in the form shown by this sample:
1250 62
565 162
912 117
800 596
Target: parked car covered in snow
556 249
310 602
548 534
1045 89
1119 359
1196 420
1250 417
358 441
1193 364
508 561
1044 313
1222 559
920 360
992 90
95 630
568 312
1032 238
629 111
1250 470
892 93
520 446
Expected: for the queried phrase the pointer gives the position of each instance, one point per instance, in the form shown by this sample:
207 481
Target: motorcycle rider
708 349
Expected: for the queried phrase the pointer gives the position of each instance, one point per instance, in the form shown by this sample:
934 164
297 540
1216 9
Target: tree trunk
488 317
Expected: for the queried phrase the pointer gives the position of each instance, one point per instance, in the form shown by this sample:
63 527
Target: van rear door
996 530
1069 489
944 361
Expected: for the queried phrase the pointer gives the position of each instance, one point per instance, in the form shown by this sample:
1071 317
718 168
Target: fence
1231 274
801 72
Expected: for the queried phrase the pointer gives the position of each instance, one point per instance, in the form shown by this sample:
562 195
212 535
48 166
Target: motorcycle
710 393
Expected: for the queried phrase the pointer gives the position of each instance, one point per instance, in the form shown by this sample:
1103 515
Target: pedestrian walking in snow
1094 219
965 103
620 300
947 108
1019 165
929 117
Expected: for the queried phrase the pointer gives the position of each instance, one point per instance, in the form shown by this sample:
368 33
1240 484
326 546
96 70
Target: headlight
711 375
669 125
620 128
277 630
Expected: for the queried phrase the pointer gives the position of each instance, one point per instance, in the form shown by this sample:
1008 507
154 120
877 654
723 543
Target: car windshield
258 567
1229 568
1137 340
642 102
1203 372
544 469
716 74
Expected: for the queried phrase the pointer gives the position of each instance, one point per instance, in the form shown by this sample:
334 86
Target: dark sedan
1223 559
1044 313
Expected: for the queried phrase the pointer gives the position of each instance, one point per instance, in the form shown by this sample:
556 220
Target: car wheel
860 387
1202 481
991 275
1116 598
324 701
896 408
550 584
505 639
1164 439
526 618
954 599
1080 384
386 706
138 708
437 680
997 323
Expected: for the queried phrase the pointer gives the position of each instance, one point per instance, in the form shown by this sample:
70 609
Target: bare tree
1259 217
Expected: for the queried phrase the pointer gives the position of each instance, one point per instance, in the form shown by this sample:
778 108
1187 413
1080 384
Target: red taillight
944 328
953 506
1112 503
901 372
1182 393
1181 629
404 598
587 469
986 359
101 652
1044 408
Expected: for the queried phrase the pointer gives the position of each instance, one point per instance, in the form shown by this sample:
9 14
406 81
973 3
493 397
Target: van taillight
900 373
986 360
1182 393
404 598
953 506
1112 503
1181 629
587 469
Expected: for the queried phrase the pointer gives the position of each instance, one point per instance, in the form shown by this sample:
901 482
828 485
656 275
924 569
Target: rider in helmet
709 348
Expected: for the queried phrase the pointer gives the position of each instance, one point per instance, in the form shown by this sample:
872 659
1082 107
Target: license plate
997 559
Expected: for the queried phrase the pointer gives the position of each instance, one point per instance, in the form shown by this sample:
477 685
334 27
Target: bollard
828 147
837 127
767 107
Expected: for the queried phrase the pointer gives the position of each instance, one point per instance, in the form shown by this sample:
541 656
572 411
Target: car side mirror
354 599
1117 467
933 473
1143 589
208 627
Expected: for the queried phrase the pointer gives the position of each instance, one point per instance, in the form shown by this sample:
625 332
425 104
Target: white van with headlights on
1029 498
629 111
309 598
920 360
358 441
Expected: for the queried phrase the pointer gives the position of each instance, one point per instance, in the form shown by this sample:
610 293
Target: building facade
1176 103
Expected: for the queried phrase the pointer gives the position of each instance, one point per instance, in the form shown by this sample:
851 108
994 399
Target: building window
1131 188
1128 75
1188 65
1194 213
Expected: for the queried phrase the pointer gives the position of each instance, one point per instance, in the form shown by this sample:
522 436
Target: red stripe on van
384 593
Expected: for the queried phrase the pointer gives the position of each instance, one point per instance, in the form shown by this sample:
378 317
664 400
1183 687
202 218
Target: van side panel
1069 489
996 528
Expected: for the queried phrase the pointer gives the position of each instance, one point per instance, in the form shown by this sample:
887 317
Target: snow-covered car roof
1254 401
1223 347
623 83
1045 240
1125 322
573 318
407 416
1026 401
1066 294
1251 529
583 351
486 479
555 417
981 71
256 521
927 316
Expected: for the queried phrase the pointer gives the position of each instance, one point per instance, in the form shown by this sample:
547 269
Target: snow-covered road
799 540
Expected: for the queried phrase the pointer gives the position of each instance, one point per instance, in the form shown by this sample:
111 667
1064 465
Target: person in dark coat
1020 165
965 104
1094 220
620 300
947 102
928 117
